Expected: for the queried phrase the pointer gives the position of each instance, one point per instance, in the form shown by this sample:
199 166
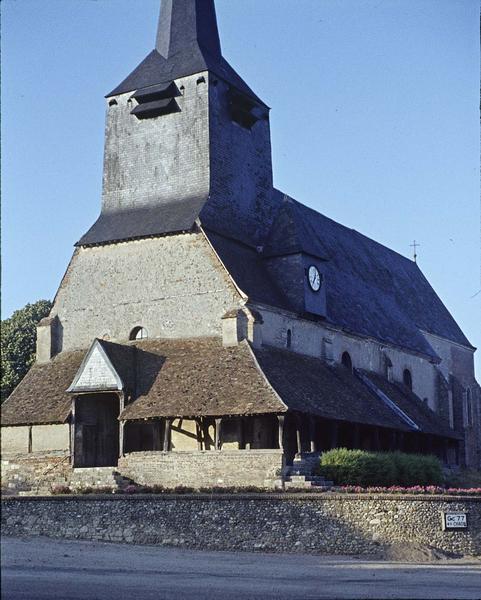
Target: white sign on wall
454 520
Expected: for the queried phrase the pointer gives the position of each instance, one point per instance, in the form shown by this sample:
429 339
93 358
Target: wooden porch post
281 419
247 433
334 434
312 433
168 425
445 449
72 433
356 436
121 424
121 438
298 434
198 430
218 427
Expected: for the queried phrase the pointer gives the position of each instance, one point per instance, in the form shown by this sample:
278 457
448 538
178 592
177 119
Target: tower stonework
185 138
206 311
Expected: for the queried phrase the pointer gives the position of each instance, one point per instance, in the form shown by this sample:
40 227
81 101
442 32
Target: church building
212 331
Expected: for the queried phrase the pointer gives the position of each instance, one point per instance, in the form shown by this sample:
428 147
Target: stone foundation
197 469
38 472
24 472
318 524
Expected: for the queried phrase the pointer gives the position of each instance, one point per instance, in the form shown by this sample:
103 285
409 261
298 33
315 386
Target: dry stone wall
309 523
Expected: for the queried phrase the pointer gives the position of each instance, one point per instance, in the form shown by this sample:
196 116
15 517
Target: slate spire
187 43
184 24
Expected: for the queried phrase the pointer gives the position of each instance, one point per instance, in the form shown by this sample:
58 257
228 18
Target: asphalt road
39 568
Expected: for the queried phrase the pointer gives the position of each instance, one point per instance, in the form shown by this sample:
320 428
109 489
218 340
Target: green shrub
362 468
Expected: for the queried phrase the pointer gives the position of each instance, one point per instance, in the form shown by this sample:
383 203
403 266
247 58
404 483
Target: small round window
138 333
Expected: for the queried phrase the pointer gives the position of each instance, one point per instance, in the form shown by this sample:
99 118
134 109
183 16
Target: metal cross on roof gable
415 245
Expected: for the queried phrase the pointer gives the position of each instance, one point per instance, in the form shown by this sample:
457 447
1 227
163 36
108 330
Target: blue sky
374 123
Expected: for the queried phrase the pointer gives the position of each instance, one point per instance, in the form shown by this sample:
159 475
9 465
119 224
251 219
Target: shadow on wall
318 526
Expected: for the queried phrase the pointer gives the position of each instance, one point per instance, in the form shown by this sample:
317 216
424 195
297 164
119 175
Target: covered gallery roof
41 397
200 377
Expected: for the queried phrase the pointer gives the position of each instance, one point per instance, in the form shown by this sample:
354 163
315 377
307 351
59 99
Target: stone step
307 485
98 477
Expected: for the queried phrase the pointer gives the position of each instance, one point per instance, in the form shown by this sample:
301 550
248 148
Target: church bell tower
186 139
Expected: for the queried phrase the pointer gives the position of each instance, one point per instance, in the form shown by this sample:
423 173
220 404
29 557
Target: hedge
362 468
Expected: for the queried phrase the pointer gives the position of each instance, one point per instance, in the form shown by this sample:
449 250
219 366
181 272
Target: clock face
315 278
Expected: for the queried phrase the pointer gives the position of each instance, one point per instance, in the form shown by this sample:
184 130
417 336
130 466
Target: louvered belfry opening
243 110
156 101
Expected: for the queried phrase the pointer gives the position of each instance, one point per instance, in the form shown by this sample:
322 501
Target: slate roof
143 222
41 397
371 290
187 43
308 385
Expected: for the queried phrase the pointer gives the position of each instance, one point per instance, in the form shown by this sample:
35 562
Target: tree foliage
19 335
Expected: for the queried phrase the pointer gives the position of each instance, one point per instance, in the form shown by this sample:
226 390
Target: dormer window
138 333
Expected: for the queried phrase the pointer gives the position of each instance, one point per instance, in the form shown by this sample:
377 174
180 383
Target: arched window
289 338
346 360
138 333
407 379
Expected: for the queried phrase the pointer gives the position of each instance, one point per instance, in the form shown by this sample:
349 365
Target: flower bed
417 489
346 489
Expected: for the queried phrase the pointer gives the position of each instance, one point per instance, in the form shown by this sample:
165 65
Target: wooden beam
218 428
281 419
168 426
198 429
121 438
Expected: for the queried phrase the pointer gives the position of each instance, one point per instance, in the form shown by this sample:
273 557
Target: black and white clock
314 278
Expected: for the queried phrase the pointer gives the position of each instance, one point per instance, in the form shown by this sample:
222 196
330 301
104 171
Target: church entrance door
96 441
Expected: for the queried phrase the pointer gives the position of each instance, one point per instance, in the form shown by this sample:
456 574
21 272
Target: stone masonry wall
109 290
150 162
226 468
311 523
24 472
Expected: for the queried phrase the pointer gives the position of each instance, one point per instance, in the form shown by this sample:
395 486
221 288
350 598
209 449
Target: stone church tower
207 320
